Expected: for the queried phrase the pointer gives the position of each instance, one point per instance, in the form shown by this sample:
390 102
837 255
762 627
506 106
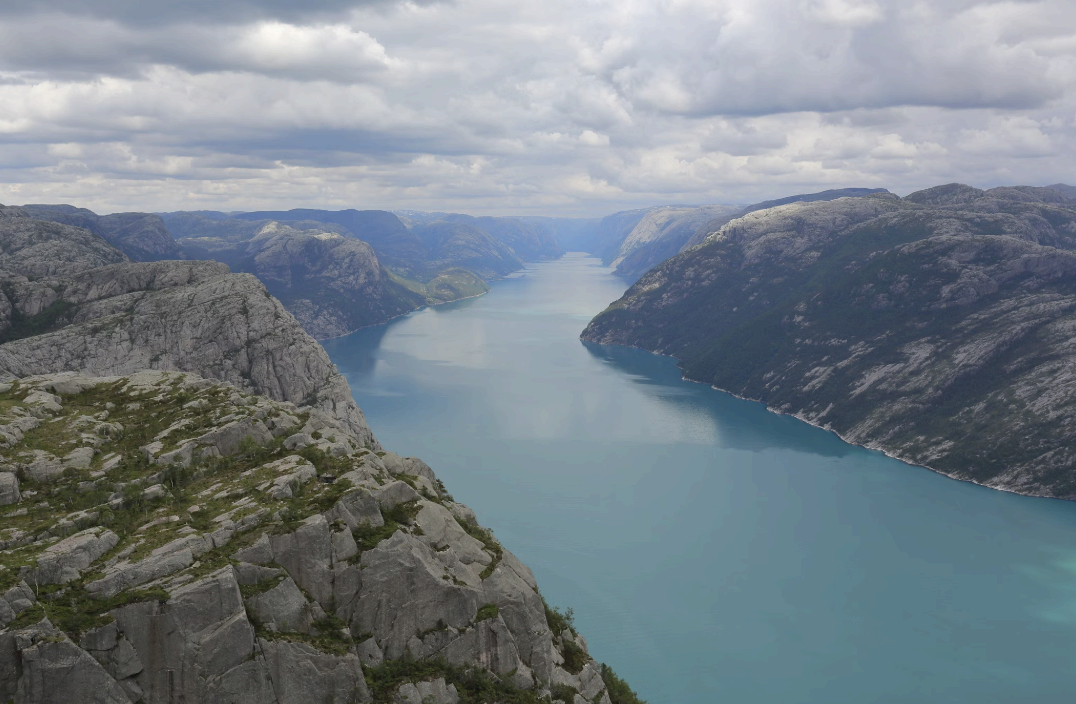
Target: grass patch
368 536
488 611
485 536
76 611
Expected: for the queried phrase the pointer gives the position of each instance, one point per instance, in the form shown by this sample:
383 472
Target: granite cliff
143 237
331 283
936 327
192 509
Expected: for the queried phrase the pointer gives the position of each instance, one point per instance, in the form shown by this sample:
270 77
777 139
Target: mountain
332 284
713 226
431 255
661 233
395 245
1064 189
35 248
528 243
192 508
143 237
331 281
935 327
570 234
457 244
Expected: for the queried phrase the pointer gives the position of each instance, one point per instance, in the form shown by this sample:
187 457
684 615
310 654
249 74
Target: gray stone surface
301 674
9 488
283 608
427 692
65 561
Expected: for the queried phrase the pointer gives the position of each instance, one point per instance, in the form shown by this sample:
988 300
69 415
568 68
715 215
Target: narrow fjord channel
713 551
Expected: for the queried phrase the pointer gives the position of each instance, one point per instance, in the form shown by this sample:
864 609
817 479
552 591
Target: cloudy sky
574 107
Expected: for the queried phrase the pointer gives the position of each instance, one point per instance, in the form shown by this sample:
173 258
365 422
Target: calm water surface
712 551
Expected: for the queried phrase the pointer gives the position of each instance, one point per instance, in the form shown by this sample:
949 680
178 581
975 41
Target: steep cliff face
936 327
661 233
30 247
168 538
77 315
331 281
527 242
143 237
456 244
332 284
235 534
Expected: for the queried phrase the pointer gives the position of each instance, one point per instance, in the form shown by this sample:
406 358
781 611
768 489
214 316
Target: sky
562 107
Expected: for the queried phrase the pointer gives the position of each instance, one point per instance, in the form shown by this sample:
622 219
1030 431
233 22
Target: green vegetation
368 536
559 621
619 691
54 316
474 685
961 343
485 536
74 611
329 638
487 611
575 658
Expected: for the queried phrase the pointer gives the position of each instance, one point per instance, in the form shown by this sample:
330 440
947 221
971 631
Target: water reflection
744 425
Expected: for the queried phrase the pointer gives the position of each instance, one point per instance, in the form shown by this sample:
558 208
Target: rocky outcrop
36 248
330 281
189 575
143 237
935 327
184 316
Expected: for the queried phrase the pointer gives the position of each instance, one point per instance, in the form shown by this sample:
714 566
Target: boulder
9 488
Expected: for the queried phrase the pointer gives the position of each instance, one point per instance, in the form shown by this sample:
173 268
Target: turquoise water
712 551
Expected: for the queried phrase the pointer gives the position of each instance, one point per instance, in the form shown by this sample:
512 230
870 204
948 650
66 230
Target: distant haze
552 108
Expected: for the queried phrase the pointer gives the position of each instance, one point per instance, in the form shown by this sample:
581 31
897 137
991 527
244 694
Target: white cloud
484 105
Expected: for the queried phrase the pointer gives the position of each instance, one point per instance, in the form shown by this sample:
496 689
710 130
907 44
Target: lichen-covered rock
9 488
205 582
223 326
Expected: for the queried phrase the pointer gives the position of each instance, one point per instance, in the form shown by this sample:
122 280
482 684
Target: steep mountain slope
77 315
570 234
936 327
528 243
168 537
331 281
833 194
332 284
395 245
141 236
661 233
613 230
30 247
460 245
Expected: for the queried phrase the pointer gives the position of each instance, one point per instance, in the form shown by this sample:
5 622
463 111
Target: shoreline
397 317
797 416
